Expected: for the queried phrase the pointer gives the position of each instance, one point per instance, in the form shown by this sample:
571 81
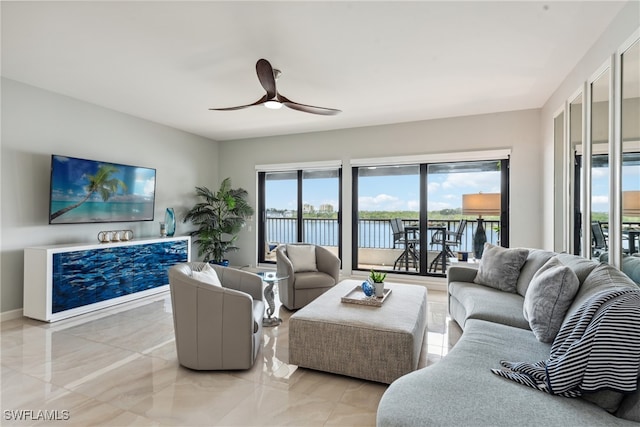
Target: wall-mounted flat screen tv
85 191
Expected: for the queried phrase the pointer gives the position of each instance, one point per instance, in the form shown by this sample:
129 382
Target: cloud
381 202
472 182
597 200
438 206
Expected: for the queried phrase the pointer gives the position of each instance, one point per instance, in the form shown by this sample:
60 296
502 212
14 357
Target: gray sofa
461 390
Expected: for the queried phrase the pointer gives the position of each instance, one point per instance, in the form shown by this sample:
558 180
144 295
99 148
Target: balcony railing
372 233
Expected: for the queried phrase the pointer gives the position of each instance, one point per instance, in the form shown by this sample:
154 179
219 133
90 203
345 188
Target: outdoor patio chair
598 239
407 239
446 240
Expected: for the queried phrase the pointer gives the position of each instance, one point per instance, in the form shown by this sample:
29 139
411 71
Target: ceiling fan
268 76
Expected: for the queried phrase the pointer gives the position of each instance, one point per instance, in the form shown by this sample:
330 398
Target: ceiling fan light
273 105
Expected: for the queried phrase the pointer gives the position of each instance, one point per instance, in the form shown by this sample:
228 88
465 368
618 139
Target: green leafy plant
219 216
377 277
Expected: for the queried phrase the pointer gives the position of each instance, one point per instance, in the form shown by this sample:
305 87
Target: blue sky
388 193
396 193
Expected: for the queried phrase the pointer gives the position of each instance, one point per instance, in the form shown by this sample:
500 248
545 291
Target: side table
270 278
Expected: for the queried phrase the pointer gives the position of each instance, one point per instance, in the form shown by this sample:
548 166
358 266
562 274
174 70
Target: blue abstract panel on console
152 263
90 276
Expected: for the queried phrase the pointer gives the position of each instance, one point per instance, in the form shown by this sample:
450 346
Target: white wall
37 123
622 27
517 130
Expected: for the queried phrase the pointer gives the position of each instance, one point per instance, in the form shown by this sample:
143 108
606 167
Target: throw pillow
303 257
207 275
548 298
500 267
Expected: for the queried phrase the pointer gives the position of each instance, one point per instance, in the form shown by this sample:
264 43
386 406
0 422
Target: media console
67 280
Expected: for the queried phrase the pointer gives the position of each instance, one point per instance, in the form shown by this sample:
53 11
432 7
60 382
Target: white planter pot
379 288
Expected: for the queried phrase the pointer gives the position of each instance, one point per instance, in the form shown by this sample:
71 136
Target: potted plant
377 279
219 217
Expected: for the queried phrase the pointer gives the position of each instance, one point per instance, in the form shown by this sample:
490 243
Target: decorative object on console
115 236
89 191
170 222
480 204
219 217
163 229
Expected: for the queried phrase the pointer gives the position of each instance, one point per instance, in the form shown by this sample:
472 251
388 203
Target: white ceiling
379 62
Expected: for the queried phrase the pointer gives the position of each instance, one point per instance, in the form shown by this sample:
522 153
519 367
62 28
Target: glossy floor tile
118 367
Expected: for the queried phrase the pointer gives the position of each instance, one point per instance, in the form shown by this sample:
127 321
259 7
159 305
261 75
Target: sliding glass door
298 206
387 208
418 219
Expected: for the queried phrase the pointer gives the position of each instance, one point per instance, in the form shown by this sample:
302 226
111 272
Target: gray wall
517 130
36 124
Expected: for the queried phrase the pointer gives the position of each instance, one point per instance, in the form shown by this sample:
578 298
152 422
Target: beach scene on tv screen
91 191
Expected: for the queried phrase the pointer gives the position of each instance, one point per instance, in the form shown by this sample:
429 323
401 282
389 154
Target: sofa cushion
303 257
500 267
629 408
472 301
207 275
548 297
603 276
535 260
581 266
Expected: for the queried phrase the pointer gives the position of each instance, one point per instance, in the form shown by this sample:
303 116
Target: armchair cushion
313 279
207 275
303 257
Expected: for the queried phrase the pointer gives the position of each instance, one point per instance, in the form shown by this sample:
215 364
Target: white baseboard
10 315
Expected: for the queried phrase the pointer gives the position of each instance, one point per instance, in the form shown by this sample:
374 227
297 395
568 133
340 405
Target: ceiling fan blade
240 107
307 108
266 77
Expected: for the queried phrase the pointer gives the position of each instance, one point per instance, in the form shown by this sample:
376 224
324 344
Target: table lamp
631 203
480 204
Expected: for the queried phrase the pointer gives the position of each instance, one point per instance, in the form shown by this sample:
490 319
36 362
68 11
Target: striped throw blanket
597 348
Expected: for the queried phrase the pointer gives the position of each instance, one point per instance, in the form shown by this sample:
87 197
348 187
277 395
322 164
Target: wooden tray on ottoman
357 296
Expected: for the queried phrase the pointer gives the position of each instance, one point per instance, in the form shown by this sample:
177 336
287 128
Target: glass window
298 206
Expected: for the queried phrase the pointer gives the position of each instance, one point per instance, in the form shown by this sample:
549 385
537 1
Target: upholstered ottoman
372 343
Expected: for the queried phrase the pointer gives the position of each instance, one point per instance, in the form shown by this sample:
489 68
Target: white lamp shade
481 204
631 203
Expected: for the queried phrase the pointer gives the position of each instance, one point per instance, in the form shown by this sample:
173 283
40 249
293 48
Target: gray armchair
302 287
216 327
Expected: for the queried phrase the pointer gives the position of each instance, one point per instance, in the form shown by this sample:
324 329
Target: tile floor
118 367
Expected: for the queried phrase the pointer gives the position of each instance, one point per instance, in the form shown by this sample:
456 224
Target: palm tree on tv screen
102 183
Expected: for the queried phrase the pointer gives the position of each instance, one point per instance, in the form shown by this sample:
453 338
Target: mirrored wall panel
600 98
630 131
558 143
575 172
